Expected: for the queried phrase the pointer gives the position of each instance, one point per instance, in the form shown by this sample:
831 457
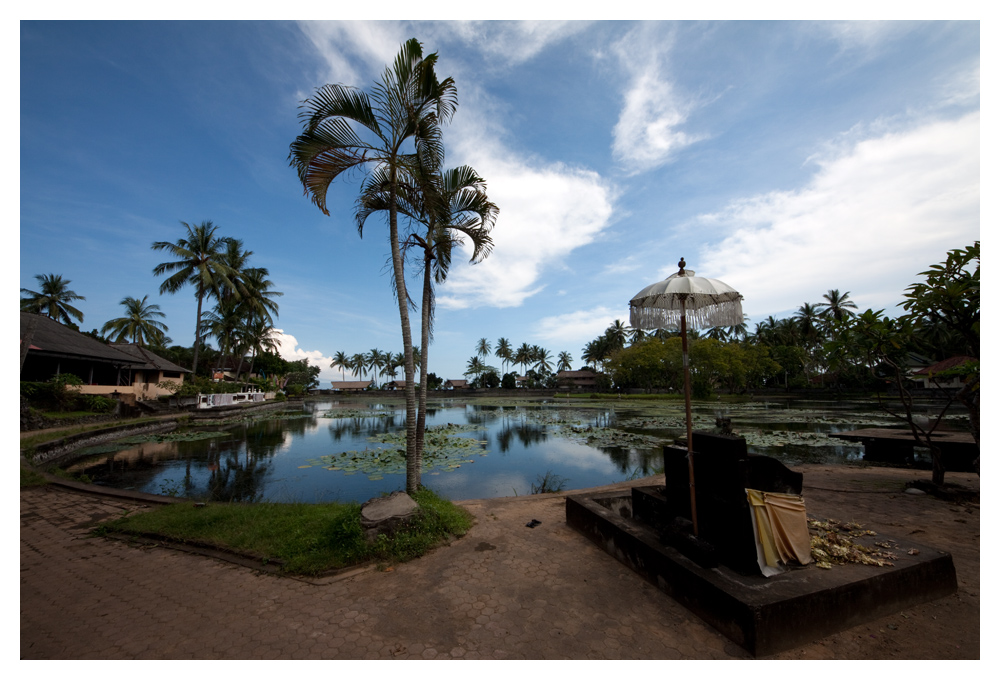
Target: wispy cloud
648 132
868 221
579 327
512 42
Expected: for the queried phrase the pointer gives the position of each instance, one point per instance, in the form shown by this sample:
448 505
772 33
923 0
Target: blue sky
784 158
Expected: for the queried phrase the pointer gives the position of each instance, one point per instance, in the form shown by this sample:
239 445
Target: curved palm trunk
412 470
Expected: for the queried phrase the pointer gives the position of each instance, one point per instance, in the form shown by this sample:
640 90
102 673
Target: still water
349 451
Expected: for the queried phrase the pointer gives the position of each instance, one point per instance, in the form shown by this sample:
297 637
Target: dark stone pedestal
762 615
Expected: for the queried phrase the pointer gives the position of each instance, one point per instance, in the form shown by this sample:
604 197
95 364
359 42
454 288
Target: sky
783 158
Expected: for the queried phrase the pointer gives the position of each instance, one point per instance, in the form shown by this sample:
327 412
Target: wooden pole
687 413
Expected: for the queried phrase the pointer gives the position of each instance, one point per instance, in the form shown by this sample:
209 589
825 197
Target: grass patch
65 415
303 538
30 478
42 437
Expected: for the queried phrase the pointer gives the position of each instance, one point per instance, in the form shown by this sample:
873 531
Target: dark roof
942 366
350 384
151 360
53 339
576 374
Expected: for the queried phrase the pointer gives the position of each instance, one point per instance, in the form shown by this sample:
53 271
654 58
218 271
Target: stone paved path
504 591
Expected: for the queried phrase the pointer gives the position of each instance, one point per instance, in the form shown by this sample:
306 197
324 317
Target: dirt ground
948 628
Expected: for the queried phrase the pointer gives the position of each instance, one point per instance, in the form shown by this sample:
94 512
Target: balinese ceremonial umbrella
670 304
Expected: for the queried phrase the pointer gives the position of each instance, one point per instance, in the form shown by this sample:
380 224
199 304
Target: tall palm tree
474 367
836 305
617 334
503 352
483 348
523 356
636 335
565 362
344 131
374 359
53 299
808 316
452 206
199 262
359 364
139 324
341 361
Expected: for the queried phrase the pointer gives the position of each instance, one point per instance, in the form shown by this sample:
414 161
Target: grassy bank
302 538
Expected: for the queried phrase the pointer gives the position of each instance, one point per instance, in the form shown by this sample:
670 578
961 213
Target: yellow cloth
781 528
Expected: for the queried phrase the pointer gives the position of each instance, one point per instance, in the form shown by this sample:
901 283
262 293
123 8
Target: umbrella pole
687 414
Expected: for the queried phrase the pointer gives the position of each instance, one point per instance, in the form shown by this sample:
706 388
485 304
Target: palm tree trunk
425 323
412 471
197 333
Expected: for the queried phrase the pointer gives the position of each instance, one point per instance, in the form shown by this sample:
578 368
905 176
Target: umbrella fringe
723 313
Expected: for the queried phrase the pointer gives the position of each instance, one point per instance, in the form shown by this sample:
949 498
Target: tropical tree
341 361
359 364
139 325
565 362
199 263
52 299
374 359
503 352
836 305
617 334
483 348
543 360
523 356
346 129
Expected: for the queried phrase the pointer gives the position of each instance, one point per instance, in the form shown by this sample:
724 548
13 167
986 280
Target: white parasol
671 304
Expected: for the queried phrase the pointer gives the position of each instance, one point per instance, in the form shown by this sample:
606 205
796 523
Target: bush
509 381
280 396
96 403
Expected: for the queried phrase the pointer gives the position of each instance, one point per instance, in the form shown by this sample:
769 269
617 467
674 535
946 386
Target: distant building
577 380
127 371
350 385
924 375
456 384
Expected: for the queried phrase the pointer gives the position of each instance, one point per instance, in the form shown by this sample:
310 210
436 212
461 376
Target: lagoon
351 449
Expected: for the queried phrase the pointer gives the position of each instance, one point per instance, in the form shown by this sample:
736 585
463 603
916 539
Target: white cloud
513 42
374 44
648 132
869 220
289 350
866 37
579 327
546 211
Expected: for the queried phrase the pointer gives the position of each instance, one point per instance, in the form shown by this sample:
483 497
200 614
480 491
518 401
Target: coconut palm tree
483 348
617 334
836 305
503 352
808 316
53 299
139 325
341 361
636 335
565 362
199 262
523 356
345 129
474 367
374 359
359 364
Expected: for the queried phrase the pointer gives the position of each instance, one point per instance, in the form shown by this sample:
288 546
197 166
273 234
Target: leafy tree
52 299
199 263
949 296
344 131
139 325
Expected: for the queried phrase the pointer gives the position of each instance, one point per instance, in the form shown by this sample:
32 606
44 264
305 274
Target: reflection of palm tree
53 299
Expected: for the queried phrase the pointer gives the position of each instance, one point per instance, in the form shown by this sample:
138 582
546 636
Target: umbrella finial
682 264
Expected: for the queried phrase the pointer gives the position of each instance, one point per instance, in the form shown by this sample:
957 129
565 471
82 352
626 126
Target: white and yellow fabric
780 530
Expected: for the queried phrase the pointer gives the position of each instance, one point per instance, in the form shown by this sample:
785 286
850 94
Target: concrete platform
765 615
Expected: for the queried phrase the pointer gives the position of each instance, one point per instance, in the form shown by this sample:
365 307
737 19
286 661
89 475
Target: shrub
96 403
